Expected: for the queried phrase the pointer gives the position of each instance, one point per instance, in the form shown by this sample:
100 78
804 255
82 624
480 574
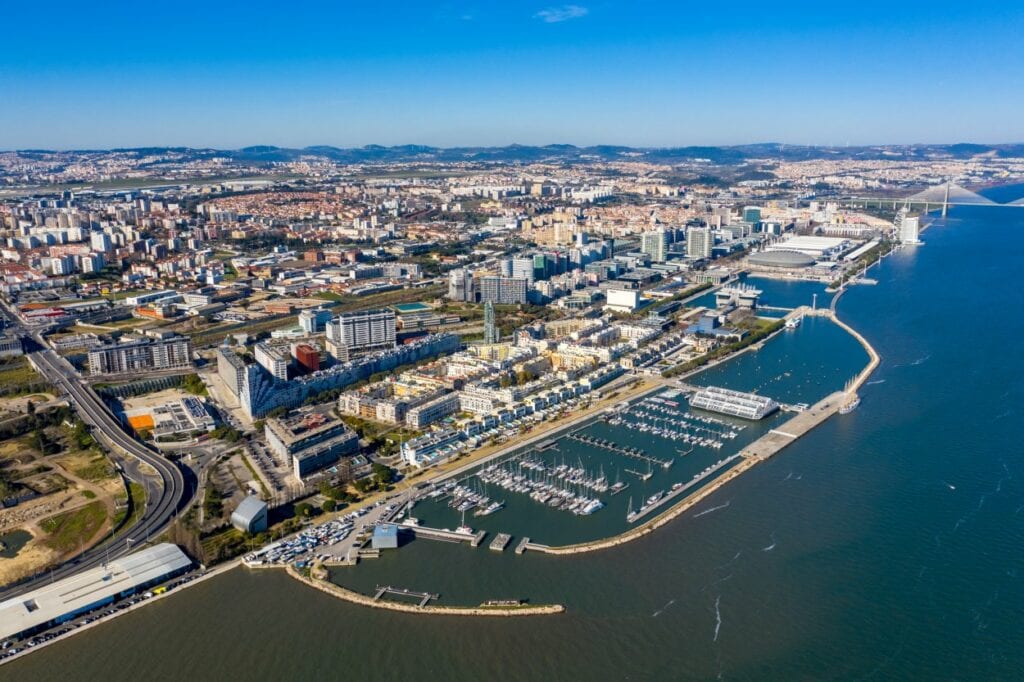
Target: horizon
644 75
371 145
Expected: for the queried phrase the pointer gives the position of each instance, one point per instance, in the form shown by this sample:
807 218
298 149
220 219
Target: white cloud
554 15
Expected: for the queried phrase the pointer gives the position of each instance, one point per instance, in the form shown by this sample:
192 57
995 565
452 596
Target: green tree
304 509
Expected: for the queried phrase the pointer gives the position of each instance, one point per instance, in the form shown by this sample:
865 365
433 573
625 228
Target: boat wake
875 382
663 608
920 361
718 617
708 511
771 546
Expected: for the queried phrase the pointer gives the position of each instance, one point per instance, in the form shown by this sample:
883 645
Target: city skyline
466 74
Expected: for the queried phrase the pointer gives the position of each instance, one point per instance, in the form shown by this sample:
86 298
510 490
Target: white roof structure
816 247
735 403
90 588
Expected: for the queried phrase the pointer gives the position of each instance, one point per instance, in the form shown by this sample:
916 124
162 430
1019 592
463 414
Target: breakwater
363 600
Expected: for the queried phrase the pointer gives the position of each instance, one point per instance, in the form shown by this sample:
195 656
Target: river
886 544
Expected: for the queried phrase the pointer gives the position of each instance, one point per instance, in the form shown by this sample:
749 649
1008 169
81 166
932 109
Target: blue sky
644 73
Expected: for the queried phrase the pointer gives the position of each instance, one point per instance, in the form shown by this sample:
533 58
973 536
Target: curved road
167 489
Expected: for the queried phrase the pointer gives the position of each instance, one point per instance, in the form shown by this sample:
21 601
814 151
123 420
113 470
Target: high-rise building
524 268
752 214
461 286
139 355
910 229
490 329
699 242
655 245
354 333
272 359
231 368
100 241
503 290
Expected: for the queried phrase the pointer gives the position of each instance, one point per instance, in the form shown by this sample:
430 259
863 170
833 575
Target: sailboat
464 529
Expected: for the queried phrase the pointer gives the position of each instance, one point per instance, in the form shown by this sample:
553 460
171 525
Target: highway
167 488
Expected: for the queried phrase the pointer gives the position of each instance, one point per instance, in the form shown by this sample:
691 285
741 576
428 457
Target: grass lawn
330 296
138 499
17 377
73 529
98 469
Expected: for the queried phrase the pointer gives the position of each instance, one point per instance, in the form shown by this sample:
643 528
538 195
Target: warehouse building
250 516
64 600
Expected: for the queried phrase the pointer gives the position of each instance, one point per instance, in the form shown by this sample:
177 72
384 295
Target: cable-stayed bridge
940 196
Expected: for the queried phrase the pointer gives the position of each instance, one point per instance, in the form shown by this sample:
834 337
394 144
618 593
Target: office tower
655 245
490 330
699 242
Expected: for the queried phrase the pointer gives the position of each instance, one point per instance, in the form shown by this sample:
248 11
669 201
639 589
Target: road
168 489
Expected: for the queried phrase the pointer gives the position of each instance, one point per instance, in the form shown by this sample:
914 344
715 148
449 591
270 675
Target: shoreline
106 619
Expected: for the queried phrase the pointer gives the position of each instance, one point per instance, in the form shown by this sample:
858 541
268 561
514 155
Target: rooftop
89 588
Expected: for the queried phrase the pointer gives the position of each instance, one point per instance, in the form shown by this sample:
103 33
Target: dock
778 438
500 542
424 597
521 547
678 492
445 535
636 453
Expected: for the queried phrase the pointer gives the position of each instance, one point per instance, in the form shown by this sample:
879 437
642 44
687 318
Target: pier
424 597
521 547
776 439
446 535
678 492
500 542
636 453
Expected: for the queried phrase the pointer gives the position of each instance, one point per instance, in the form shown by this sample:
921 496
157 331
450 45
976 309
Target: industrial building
141 354
63 600
250 516
735 403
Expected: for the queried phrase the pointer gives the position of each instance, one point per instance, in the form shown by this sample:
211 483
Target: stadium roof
781 259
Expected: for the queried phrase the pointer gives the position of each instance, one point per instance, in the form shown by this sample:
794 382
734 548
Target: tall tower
490 331
945 201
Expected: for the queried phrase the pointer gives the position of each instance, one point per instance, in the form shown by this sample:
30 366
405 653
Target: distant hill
567 153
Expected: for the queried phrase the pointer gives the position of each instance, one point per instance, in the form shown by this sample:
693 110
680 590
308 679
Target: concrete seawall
364 600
